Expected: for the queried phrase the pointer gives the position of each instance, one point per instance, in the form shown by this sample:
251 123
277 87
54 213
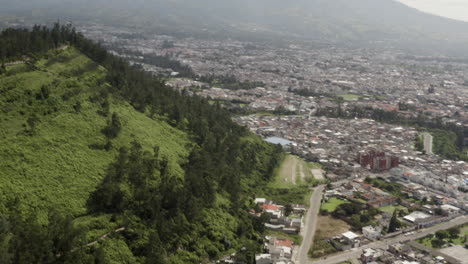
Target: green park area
391 208
332 203
445 238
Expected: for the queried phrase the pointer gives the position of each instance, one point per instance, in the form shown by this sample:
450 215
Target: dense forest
162 61
165 219
229 82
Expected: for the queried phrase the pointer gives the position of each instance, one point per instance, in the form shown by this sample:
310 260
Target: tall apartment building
377 161
428 143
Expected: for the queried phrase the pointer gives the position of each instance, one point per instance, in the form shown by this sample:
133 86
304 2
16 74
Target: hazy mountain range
356 22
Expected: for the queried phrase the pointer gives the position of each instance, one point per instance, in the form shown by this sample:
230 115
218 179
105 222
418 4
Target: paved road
385 243
310 225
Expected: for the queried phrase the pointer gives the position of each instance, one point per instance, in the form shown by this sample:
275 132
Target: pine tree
394 223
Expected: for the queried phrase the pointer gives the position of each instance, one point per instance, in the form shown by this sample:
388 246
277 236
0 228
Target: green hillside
102 163
56 165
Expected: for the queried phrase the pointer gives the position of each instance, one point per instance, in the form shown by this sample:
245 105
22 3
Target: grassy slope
54 166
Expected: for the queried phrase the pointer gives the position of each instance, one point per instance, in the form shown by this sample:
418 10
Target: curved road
310 225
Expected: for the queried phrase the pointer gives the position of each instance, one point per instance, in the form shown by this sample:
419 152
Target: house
274 227
371 232
350 236
430 221
399 248
263 259
294 223
273 210
428 208
370 255
299 208
283 243
421 194
417 215
346 241
281 252
450 210
280 249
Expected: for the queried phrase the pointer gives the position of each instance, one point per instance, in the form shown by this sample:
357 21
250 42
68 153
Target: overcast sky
457 9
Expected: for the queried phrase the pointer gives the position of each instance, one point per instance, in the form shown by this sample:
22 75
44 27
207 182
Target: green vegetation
91 145
355 213
391 208
454 236
446 144
393 188
283 189
332 203
419 143
229 82
297 239
50 165
350 97
321 248
394 223
314 165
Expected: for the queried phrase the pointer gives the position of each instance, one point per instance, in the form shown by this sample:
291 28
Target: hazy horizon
454 9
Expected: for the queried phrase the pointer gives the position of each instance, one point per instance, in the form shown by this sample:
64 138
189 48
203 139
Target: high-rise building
377 161
428 143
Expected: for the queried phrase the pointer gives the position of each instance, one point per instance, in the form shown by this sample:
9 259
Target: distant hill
342 22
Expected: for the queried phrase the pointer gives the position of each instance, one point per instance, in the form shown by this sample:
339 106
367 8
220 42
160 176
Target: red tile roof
284 243
269 207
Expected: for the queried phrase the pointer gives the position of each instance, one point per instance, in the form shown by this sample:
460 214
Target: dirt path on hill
293 170
301 171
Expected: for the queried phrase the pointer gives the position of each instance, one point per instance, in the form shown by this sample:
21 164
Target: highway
310 225
356 252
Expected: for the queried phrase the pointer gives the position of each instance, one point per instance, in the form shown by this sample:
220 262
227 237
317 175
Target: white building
428 143
415 216
371 232
450 210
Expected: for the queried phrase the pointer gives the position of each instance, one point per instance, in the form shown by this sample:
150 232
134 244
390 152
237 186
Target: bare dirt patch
328 227
318 174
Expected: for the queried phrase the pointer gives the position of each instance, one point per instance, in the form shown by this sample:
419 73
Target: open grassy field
287 173
332 204
46 154
293 180
350 97
391 208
